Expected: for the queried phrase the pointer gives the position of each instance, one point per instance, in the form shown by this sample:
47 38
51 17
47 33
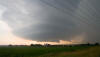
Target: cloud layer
53 20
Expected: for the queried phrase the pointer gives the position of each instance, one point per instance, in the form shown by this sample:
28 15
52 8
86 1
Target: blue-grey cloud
53 20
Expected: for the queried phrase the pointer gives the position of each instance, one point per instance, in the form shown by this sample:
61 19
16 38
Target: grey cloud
53 20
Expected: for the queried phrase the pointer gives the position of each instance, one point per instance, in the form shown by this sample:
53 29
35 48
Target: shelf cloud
53 20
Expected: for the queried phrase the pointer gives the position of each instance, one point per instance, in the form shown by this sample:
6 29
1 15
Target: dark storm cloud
53 20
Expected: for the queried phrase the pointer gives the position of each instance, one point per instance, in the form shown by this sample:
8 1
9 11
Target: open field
28 51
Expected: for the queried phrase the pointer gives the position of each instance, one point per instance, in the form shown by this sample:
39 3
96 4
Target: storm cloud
53 20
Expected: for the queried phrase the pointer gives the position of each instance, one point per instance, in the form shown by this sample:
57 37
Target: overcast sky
49 20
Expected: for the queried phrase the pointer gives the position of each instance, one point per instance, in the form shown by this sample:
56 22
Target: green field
28 51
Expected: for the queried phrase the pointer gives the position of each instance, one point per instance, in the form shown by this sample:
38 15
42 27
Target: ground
29 51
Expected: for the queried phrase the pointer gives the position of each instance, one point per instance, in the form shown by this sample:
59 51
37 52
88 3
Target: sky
49 21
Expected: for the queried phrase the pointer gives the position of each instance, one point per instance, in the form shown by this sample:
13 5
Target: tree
32 45
10 45
88 44
96 43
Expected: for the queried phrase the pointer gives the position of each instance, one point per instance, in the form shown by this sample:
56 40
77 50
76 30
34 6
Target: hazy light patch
4 28
6 36
2 10
78 39
61 42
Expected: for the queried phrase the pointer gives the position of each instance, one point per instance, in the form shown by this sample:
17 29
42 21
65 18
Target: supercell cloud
53 20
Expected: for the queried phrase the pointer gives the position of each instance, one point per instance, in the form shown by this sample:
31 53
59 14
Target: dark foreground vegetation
50 51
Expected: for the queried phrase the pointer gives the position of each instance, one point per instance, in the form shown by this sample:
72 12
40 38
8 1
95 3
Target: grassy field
77 51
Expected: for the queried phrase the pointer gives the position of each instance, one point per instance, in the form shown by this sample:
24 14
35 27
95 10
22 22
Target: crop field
29 51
